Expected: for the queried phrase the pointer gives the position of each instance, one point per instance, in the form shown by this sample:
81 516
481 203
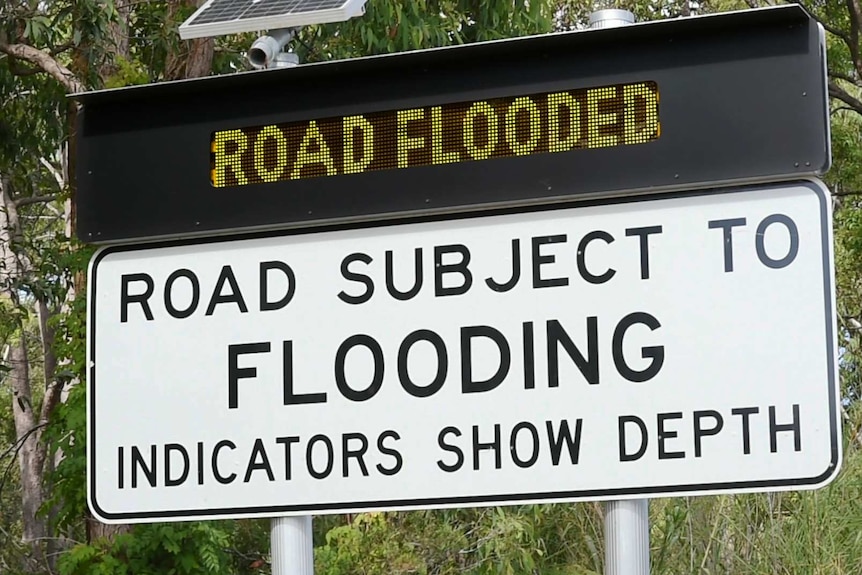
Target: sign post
627 537
626 522
292 546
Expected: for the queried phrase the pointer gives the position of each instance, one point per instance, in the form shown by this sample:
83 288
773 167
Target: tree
49 50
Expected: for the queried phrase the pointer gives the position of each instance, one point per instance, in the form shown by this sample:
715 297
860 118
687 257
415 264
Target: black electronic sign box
658 106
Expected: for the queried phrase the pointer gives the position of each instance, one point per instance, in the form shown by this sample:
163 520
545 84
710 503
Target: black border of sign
832 470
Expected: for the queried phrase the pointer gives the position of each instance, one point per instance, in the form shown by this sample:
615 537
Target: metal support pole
292 546
627 537
626 522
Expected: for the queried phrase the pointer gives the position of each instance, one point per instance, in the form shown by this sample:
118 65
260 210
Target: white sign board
659 346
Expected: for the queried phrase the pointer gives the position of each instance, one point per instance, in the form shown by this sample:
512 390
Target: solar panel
217 17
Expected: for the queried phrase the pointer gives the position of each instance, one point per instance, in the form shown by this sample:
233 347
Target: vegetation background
50 48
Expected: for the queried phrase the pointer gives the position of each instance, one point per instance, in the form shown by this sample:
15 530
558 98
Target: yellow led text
555 122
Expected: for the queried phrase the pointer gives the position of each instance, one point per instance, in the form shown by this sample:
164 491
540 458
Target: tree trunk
118 39
29 460
197 59
28 428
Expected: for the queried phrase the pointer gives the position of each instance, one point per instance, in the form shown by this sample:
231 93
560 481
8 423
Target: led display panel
619 115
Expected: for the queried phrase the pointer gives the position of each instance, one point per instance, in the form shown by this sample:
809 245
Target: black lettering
357 454
121 462
643 234
126 298
356 277
235 296
169 449
235 373
291 398
196 293
265 267
459 455
794 241
513 445
149 471
589 367
776 428
665 434
700 432
727 226
442 363
529 356
390 452
288 444
223 479
468 385
654 353
390 277
440 269
200 466
516 271
745 412
539 260
573 444
582 257
309 459
255 465
340 378
494 446
624 455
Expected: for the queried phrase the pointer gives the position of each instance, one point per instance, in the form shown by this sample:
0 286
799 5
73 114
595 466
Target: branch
58 177
845 77
18 445
44 61
19 70
61 48
837 32
35 200
15 446
838 92
853 45
51 399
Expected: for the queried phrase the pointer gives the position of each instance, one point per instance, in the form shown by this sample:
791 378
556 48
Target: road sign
672 345
683 103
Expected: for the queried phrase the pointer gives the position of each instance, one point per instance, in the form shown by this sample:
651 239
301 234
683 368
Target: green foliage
129 73
845 181
395 26
781 533
159 549
559 539
67 432
369 546
30 127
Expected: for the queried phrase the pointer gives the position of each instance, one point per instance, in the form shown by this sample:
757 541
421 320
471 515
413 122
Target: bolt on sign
673 344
